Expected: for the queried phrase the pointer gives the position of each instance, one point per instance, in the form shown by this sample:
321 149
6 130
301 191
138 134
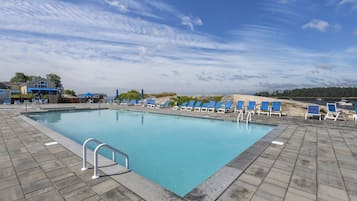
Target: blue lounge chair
227 107
211 106
276 108
183 106
177 107
124 102
217 107
197 106
204 107
332 112
239 107
264 108
163 105
16 102
313 111
251 107
190 105
150 103
133 102
250 110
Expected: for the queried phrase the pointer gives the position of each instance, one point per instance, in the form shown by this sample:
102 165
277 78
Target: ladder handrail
84 151
95 174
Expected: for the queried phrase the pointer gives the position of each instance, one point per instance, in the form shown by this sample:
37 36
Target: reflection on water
142 119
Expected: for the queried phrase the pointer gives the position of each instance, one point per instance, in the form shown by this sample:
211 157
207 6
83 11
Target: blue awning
42 89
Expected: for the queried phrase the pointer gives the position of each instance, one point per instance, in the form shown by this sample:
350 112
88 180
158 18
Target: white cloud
352 3
97 50
191 22
317 24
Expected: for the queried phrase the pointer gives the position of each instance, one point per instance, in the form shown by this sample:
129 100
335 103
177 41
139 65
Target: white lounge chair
313 111
227 107
276 108
264 108
332 112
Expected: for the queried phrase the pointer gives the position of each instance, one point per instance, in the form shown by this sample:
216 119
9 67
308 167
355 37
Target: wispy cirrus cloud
191 22
352 3
317 24
355 32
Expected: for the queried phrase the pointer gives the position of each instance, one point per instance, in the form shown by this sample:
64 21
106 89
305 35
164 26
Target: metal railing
95 161
240 116
84 151
249 117
95 174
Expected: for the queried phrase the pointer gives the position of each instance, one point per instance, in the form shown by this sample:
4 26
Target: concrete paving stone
35 185
51 165
11 193
71 161
43 156
305 172
79 194
303 184
35 148
56 148
69 189
296 195
264 162
47 196
250 179
31 175
38 192
69 181
4 158
258 171
348 174
8 182
105 186
63 154
24 164
59 174
329 193
271 190
239 190
94 198
278 177
330 179
114 195
260 197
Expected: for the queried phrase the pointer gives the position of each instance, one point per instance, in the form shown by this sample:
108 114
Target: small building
5 93
39 85
15 87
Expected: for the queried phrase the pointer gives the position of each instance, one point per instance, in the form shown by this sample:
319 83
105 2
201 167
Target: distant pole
142 93
116 94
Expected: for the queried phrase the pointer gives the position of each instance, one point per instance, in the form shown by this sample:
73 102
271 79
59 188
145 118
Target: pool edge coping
209 189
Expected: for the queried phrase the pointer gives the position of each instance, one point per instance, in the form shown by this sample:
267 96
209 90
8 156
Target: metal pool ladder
98 147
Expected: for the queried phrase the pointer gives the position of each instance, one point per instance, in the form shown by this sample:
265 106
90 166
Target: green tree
130 95
55 79
70 92
19 77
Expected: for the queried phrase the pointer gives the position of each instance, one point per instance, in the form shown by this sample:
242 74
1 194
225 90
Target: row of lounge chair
211 106
219 107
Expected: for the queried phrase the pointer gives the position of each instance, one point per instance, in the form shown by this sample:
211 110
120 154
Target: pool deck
318 161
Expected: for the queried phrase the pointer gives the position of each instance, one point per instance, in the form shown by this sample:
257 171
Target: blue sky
188 47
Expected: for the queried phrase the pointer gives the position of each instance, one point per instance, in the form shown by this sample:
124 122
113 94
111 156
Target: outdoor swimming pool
175 152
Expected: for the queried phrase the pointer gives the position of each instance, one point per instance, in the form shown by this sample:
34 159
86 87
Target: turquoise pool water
176 152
